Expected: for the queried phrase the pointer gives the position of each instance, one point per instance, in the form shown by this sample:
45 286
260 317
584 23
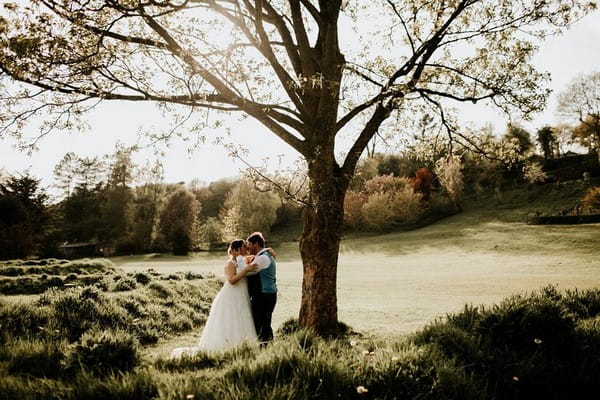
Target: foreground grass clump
38 276
545 345
542 346
53 266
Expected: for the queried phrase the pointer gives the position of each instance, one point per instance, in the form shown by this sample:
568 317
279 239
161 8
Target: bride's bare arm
271 252
232 276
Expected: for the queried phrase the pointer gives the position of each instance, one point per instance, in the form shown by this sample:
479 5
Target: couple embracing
242 310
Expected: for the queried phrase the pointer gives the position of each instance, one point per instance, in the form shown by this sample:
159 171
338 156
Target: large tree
580 101
311 71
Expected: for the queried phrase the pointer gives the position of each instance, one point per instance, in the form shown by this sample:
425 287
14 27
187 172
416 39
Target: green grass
450 311
400 281
541 346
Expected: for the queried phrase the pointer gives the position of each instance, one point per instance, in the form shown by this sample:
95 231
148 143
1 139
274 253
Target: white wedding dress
229 322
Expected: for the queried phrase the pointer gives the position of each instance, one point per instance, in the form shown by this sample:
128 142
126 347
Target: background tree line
99 201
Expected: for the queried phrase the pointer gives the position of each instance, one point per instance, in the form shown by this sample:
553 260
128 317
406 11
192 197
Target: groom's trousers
263 305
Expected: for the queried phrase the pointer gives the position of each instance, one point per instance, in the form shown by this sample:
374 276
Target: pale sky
576 52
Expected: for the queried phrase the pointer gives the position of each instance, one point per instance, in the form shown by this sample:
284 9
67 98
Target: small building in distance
86 249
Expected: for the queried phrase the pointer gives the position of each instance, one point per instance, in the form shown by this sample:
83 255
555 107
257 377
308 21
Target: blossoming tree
309 70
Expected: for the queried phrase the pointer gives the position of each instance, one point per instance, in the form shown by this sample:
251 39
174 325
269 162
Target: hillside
513 204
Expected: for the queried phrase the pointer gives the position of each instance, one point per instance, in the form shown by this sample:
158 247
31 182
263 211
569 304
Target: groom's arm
261 262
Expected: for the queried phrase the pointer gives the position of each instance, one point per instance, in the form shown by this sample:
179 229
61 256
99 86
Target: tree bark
319 248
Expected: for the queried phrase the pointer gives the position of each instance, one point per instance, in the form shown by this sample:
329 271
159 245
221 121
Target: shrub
423 182
142 278
79 310
533 173
105 351
448 171
386 184
35 357
22 320
160 290
385 209
407 205
124 285
190 276
378 212
525 347
591 199
353 203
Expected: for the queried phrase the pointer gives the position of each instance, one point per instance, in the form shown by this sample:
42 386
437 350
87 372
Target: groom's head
256 242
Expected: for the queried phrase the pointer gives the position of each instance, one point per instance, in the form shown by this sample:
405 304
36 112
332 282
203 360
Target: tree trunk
319 247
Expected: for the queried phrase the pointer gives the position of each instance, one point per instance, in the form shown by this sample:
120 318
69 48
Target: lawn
398 282
105 329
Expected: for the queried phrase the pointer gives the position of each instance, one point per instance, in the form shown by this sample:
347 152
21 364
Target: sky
575 52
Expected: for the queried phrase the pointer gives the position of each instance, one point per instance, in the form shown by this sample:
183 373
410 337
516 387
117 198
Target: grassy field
94 329
398 282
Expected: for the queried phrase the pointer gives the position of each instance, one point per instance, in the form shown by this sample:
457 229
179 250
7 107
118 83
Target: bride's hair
236 244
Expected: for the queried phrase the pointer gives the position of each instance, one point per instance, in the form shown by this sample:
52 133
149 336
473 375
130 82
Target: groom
262 287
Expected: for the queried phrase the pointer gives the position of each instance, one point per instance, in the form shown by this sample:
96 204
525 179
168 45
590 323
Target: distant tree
90 173
231 219
212 230
179 221
213 196
521 136
587 134
149 197
65 173
252 209
117 208
580 101
23 216
82 214
15 229
547 141
449 174
533 173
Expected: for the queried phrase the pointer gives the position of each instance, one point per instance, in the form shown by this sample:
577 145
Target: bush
105 351
378 212
591 200
142 278
353 203
124 285
36 358
160 290
22 320
407 204
423 182
528 347
79 310
386 184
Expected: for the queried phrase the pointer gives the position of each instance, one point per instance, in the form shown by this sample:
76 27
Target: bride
230 320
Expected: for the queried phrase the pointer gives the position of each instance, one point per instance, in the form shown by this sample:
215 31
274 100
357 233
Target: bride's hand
251 268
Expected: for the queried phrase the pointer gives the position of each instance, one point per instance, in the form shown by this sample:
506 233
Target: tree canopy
580 101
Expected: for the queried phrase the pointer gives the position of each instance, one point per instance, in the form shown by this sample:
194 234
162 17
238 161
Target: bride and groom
242 310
